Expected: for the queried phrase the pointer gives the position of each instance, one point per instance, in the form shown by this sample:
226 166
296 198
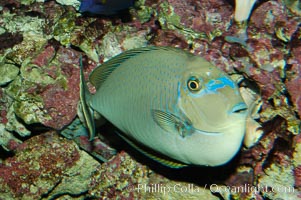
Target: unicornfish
171 105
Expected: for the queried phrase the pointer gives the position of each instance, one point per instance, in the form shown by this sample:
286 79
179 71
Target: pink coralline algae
297 162
293 82
61 94
45 56
118 178
60 102
45 93
203 16
29 175
297 173
272 18
268 81
165 38
267 15
264 55
294 88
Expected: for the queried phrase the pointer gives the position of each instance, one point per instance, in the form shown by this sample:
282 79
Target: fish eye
194 84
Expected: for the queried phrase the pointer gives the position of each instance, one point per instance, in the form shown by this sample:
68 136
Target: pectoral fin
172 123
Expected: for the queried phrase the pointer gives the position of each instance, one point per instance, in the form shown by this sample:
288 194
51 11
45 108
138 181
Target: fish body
172 102
104 7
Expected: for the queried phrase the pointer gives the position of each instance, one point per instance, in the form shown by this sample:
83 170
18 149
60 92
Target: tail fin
86 109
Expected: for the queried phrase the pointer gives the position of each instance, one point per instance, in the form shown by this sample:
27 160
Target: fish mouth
208 133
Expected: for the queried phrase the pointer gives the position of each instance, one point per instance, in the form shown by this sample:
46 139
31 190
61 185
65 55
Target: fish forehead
199 67
212 80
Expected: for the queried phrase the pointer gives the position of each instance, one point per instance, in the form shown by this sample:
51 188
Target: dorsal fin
102 72
86 109
155 156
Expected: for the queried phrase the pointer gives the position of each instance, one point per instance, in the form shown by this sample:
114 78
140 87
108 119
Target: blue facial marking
201 93
227 81
179 90
214 85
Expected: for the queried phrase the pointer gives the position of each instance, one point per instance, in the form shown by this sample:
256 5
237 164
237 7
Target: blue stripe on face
179 91
214 85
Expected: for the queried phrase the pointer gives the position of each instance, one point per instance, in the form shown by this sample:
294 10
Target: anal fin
161 159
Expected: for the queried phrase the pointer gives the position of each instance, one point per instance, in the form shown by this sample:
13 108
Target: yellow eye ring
194 84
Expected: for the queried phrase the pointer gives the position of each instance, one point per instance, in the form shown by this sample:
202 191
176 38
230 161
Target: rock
124 178
297 162
45 165
278 183
41 43
267 15
50 89
293 82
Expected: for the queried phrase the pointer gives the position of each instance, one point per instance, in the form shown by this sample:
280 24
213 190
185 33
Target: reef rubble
44 149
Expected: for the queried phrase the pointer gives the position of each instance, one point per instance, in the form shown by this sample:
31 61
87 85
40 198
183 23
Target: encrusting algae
41 43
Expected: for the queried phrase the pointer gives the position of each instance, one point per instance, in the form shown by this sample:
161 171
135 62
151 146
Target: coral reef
40 46
124 178
55 163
